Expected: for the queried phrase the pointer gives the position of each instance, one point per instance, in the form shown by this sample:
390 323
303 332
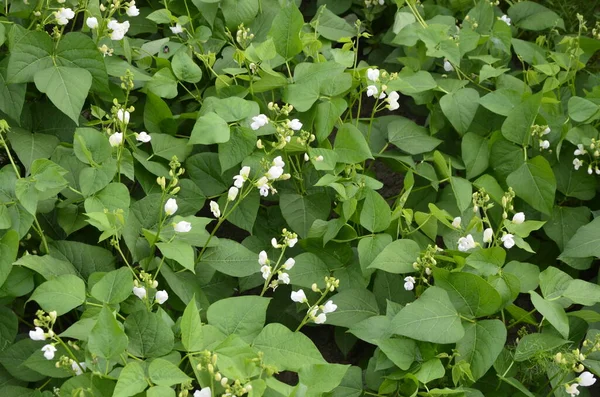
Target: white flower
518 218
37 334
298 296
263 259
572 389
278 162
546 131
176 29
428 271
289 264
590 171
382 95
294 124
487 235
409 283
78 368
466 243
319 158
586 379
63 15
306 157
544 144
171 206
274 172
372 91
182 227
123 116
392 99
239 179
132 10
381 2
49 351
312 312
266 271
274 243
448 66
115 139
92 22
259 121
161 297
508 240
577 163
203 393
284 278
580 150
373 74
505 19
118 32
291 242
456 222
214 208
143 137
320 319
329 307
140 292
232 193
263 186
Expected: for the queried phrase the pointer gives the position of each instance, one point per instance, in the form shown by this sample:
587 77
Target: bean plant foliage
298 198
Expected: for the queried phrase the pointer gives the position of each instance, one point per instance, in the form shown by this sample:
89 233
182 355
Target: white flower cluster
585 379
372 90
64 15
371 3
140 291
275 172
313 314
289 240
581 150
507 239
504 18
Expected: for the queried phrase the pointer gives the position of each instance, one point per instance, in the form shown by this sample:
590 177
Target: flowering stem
275 268
307 316
118 248
63 344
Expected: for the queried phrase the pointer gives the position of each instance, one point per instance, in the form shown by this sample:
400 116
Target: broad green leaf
517 126
532 16
333 27
572 182
115 196
107 339
481 345
9 248
501 101
353 306
166 146
322 378
470 294
581 110
209 129
375 215
410 84
237 12
158 118
185 68
350 145
402 352
243 316
179 251
12 96
61 294
47 266
552 312
132 379
30 52
192 336
78 50
286 350
231 258
13 359
114 287
534 182
585 242
40 364
30 147
533 344
66 87
285 31
397 257
527 274
230 109
431 318
163 84
9 324
301 211
406 135
462 192
244 215
164 373
309 269
373 329
87 259
160 391
430 370
240 145
91 146
487 261
582 292
368 249
460 108
327 115
475 152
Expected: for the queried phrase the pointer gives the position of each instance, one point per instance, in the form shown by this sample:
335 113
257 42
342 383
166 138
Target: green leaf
192 336
166 146
9 324
285 31
517 126
286 350
533 344
375 215
534 182
431 318
482 344
114 287
66 87
61 294
397 257
30 52
585 242
240 145
163 84
87 259
333 27
301 211
132 380
47 266
353 306
430 370
185 68
527 274
582 292
532 16
501 101
9 248
107 339
165 373
91 146
209 129
149 335
237 12
309 268
368 249
462 192
552 312
402 352
231 258
413 84
470 294
350 145
322 378
406 135
487 260
581 110
230 109
460 108
78 50
475 152
242 315
12 96
30 147
160 391
179 251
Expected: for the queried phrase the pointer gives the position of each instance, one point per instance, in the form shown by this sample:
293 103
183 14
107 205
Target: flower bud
218 377
314 287
259 144
224 381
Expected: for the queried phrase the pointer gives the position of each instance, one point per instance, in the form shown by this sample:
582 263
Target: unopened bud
314 287
218 377
224 381
259 144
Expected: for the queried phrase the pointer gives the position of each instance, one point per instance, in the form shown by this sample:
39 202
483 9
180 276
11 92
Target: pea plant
298 198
